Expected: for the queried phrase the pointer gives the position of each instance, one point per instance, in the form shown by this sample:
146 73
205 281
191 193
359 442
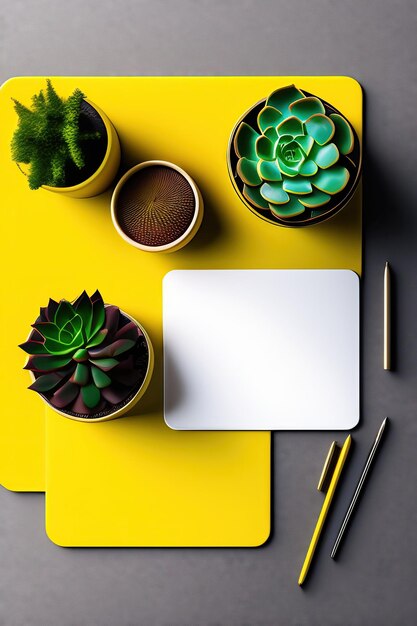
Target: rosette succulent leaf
83 354
291 160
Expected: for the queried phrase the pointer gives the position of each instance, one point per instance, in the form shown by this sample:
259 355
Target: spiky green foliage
48 136
83 354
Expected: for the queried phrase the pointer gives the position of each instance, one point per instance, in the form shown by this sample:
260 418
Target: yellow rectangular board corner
135 482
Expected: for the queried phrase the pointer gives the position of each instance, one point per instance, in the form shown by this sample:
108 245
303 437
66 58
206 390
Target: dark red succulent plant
88 358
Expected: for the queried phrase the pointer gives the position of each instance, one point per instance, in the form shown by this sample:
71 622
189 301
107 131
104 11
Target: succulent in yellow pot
89 361
68 146
294 159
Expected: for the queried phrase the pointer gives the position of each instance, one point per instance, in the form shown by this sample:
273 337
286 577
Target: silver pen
358 489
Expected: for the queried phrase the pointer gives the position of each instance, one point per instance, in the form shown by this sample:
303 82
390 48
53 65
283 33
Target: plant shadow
212 229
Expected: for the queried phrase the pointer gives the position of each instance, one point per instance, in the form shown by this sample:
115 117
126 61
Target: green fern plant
48 136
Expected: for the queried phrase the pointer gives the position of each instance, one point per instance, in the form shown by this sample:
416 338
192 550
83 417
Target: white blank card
261 349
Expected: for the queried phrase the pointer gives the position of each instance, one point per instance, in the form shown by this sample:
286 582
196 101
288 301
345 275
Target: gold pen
387 317
341 455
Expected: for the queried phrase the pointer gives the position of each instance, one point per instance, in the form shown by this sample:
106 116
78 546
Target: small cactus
48 136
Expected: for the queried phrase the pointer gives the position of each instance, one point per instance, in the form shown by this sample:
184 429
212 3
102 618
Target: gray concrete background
373 581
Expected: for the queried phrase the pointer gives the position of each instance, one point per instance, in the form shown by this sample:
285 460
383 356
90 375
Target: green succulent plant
84 354
290 161
48 136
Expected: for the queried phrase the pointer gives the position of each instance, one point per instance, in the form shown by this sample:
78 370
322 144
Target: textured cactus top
86 357
291 160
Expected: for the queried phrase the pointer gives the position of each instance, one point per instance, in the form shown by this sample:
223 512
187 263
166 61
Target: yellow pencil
325 509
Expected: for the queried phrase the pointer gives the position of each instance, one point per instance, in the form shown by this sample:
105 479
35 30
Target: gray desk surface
373 582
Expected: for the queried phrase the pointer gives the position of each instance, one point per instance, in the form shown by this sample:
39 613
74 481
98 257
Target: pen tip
382 428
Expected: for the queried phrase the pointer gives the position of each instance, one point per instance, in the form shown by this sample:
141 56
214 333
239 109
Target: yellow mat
133 481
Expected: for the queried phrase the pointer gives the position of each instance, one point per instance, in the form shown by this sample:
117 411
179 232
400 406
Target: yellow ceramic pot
105 174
